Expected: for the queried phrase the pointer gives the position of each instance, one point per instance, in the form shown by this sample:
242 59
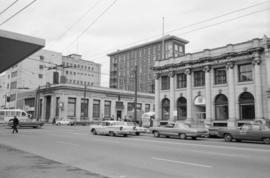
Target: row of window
80 82
245 74
96 107
78 73
246 108
78 66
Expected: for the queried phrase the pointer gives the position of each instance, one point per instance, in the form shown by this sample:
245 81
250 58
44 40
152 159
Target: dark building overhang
15 47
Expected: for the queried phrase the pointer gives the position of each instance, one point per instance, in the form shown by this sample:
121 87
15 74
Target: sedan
181 130
138 130
253 132
64 122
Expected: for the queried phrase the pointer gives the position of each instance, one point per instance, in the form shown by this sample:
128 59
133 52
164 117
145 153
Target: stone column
189 95
90 109
157 99
258 87
43 113
208 104
113 105
101 108
172 94
232 100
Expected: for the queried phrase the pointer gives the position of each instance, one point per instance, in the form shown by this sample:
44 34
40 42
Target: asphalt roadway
142 156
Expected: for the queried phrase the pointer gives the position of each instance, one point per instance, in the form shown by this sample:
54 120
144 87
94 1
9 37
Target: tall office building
123 62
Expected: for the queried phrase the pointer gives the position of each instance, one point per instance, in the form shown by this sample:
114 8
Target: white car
112 128
64 122
138 129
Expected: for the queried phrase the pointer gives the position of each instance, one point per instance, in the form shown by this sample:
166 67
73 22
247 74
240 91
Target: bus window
18 113
24 114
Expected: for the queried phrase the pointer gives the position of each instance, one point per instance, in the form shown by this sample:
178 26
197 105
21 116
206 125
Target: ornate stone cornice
157 75
171 74
256 59
188 71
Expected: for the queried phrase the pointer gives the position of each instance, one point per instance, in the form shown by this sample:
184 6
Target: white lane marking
67 143
203 145
182 162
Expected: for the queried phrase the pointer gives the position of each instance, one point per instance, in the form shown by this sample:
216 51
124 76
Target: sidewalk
18 164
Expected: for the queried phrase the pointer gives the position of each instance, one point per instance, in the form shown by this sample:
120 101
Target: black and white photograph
134 89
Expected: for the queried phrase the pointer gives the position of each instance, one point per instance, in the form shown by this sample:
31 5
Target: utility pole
136 87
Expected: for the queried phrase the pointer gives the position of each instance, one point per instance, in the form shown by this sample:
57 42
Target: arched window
165 109
221 107
181 108
246 106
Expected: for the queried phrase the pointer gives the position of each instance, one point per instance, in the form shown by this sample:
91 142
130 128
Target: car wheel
238 140
266 140
228 138
137 133
156 134
182 136
125 135
194 138
94 132
111 133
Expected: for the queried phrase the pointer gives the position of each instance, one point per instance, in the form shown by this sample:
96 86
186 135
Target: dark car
27 123
253 132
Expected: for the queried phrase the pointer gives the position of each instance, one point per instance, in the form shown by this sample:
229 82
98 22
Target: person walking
15 125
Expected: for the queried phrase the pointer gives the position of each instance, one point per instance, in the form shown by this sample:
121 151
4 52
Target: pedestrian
15 125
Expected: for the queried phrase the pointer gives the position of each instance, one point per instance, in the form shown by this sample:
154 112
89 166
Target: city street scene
134 89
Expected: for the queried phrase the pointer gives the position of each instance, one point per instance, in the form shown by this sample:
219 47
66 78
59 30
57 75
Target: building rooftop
166 38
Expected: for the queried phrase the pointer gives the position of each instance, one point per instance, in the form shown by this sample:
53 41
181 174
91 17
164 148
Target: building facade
225 86
89 103
123 63
81 72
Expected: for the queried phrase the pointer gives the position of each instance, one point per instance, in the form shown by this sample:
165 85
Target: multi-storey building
81 72
123 62
225 86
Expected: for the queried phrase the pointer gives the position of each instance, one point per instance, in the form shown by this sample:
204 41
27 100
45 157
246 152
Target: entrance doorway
48 108
199 104
118 115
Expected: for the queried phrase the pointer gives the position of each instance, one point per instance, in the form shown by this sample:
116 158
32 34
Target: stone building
224 86
89 103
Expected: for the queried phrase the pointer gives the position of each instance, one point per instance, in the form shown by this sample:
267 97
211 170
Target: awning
15 47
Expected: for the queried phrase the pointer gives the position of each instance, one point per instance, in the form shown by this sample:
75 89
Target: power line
3 11
190 25
90 25
77 21
25 7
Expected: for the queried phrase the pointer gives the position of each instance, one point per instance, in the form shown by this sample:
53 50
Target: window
57 107
139 106
147 108
71 107
220 76
181 108
107 109
165 83
41 66
67 72
165 106
245 72
41 58
84 108
14 74
40 76
199 78
181 80
96 108
13 85
130 106
246 106
221 107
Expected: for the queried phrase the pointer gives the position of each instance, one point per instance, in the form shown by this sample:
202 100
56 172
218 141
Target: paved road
143 156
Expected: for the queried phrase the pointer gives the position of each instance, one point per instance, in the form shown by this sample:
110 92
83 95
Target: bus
7 114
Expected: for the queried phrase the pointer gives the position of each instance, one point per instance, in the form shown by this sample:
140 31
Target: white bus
7 114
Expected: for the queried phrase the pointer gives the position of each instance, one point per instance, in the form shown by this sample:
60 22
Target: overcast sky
94 28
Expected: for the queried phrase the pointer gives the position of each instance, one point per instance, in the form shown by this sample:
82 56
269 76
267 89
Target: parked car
138 130
213 130
251 131
27 123
64 121
179 129
112 128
